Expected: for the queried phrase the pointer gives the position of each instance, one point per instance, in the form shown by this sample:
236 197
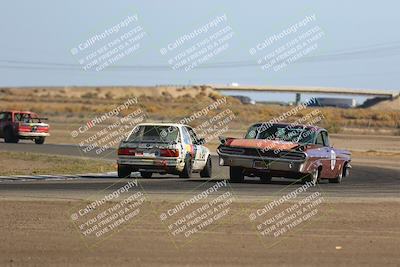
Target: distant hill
382 103
110 92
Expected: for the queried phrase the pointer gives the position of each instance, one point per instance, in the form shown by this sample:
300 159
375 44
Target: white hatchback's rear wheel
187 169
207 170
124 171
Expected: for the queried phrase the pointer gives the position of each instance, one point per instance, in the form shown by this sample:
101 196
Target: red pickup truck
16 125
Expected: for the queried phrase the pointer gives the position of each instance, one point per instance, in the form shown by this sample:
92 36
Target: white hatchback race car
164 148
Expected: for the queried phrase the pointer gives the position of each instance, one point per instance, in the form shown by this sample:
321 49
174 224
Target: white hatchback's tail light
173 153
126 151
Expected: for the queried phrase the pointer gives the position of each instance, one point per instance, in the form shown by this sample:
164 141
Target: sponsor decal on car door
199 150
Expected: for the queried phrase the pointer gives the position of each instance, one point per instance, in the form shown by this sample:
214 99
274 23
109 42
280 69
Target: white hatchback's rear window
154 133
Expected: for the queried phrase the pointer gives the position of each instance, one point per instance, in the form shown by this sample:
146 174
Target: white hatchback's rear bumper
156 163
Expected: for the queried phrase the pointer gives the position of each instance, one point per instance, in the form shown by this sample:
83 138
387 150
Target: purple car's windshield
282 132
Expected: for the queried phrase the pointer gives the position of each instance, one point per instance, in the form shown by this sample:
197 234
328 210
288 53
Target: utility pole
298 98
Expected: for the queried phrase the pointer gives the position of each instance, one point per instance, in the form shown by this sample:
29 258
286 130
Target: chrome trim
271 165
233 149
292 155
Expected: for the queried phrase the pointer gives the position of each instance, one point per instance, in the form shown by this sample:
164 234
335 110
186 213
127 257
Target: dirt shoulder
41 233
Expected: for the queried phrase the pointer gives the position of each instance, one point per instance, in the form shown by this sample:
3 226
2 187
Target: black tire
39 140
339 178
187 170
9 136
236 174
313 177
146 174
266 178
124 171
206 172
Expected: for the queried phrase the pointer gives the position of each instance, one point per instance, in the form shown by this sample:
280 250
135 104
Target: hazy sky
360 46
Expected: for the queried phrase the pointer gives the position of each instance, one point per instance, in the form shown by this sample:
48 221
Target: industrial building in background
334 102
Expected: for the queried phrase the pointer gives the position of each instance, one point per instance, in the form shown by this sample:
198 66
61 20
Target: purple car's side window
325 138
320 140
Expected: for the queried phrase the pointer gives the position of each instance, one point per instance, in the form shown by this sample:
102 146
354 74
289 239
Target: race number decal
333 159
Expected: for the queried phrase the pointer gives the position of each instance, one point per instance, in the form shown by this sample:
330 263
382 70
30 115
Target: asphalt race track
364 181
